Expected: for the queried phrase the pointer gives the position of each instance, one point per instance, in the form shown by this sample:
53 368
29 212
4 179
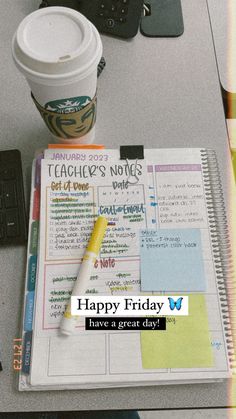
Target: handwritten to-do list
79 195
73 195
179 191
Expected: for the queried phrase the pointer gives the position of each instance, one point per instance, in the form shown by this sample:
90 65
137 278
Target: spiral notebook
174 195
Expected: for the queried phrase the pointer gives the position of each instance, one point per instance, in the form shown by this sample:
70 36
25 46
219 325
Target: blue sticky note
171 260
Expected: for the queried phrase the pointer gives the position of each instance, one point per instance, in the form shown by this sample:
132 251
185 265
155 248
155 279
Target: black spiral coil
221 247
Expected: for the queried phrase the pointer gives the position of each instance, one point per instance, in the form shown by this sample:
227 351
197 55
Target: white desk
156 92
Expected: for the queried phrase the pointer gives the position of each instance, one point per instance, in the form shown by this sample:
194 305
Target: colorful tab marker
32 269
36 206
37 179
78 146
27 353
34 237
29 310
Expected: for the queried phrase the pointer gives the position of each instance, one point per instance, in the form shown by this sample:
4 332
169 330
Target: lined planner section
68 210
176 256
158 243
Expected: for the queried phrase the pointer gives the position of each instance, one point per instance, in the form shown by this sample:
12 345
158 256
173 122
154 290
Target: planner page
180 260
72 196
166 193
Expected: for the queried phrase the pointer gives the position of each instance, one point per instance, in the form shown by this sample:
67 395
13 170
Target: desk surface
156 92
223 23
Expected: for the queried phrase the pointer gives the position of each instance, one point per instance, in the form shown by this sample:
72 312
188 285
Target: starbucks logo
69 118
70 105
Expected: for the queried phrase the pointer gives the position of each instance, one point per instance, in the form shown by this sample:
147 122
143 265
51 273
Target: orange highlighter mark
78 146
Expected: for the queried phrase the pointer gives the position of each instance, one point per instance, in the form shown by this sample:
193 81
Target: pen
68 321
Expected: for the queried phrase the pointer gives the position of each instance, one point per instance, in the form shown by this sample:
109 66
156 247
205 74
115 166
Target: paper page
67 218
177 199
122 363
71 198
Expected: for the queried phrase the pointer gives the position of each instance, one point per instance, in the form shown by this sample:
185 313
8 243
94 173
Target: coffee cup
58 50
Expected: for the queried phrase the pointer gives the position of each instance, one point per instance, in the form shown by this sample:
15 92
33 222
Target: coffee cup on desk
58 50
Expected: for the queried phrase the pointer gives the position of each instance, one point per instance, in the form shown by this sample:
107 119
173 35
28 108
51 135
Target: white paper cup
58 50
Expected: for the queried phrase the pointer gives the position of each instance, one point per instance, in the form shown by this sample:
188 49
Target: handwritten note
109 277
177 195
184 344
76 193
171 260
73 194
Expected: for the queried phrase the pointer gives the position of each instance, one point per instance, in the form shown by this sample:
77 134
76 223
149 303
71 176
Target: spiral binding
221 247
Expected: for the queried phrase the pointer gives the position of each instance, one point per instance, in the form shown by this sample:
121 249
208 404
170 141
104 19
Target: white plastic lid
56 43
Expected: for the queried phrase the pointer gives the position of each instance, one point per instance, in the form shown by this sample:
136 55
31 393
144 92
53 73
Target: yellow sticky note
184 344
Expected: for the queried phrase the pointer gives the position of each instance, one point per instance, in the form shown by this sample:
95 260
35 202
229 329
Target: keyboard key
12 223
10 195
13 227
2 232
8 174
110 23
124 11
103 4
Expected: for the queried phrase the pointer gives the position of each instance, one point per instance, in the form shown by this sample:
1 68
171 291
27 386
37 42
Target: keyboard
13 226
115 12
115 17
